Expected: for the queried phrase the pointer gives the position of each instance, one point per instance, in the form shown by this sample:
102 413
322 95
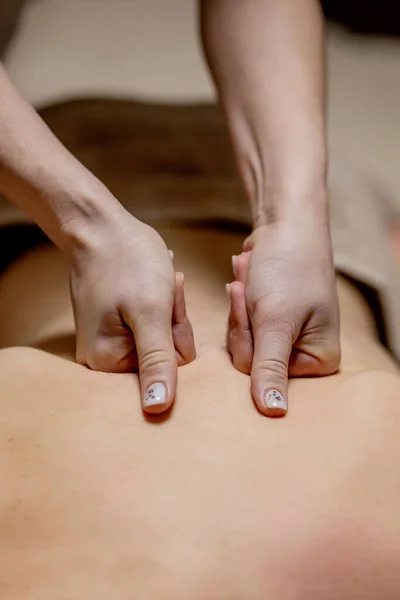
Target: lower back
214 501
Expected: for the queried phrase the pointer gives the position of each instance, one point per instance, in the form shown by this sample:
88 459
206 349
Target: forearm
38 174
267 59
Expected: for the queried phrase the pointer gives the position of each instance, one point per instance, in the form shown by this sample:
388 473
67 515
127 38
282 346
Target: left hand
129 306
284 317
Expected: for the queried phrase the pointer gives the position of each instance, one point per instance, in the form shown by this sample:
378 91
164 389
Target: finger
179 310
228 339
128 364
269 376
243 266
303 365
110 354
248 243
240 337
234 265
259 231
157 361
240 266
182 331
315 360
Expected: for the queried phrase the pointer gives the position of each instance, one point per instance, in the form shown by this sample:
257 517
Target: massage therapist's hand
284 311
129 307
128 303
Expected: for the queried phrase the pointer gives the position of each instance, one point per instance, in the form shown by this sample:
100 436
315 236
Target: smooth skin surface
101 501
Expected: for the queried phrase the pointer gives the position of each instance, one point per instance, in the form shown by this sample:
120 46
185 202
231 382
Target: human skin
131 300
211 500
266 57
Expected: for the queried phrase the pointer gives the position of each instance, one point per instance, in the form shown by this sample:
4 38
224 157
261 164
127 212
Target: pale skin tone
266 57
99 500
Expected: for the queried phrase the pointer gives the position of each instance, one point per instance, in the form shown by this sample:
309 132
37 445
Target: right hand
284 318
129 307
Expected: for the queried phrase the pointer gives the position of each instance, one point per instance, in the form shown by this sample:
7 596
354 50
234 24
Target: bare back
214 501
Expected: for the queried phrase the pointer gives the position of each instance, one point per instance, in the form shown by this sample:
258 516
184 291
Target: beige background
150 49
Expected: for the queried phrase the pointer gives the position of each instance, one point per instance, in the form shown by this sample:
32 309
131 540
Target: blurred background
57 51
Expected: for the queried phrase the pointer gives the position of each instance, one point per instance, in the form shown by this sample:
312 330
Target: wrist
288 206
283 191
303 204
90 212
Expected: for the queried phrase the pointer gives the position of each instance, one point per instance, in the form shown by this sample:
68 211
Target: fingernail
182 277
171 254
228 290
156 394
234 265
274 399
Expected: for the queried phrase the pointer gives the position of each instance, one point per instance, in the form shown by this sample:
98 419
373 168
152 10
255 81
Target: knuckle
332 355
329 355
268 312
80 358
255 303
80 353
279 330
324 310
101 357
151 306
152 303
149 309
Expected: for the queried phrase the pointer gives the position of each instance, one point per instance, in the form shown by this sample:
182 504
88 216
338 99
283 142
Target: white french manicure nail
234 265
228 290
274 399
156 394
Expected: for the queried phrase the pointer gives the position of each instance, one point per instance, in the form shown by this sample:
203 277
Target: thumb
157 360
269 375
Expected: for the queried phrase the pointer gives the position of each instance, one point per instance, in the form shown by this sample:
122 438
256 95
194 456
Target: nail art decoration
274 399
156 394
